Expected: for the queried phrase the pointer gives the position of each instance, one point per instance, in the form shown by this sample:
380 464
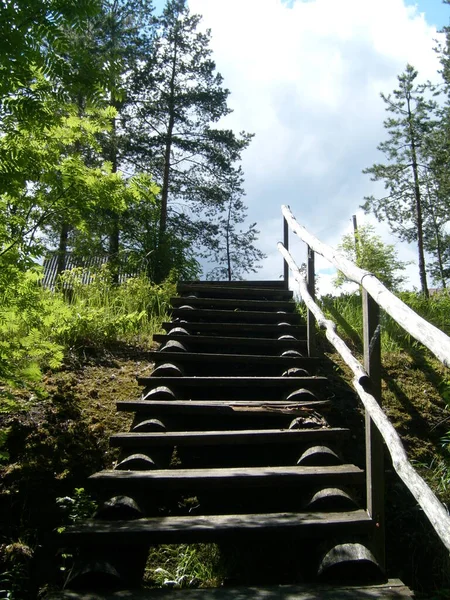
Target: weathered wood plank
259 283
221 291
225 316
235 343
260 330
211 438
281 383
393 589
235 304
220 407
224 478
232 364
207 528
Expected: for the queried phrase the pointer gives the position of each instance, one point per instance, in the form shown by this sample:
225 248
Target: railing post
286 245
374 440
311 281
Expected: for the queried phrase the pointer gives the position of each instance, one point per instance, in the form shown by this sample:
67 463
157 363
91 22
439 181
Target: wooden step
219 407
239 329
225 438
173 530
233 345
225 478
281 384
230 316
391 590
261 283
235 304
194 363
243 292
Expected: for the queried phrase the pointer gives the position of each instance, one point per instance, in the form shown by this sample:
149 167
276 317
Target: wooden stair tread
260 293
235 303
222 407
208 527
227 437
313 382
222 478
232 341
392 589
224 316
183 357
259 283
255 329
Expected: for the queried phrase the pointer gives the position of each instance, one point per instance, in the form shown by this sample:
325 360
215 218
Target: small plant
77 507
185 566
15 577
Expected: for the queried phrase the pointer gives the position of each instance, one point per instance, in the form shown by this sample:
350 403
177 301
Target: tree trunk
114 234
228 243
62 248
161 259
418 205
437 237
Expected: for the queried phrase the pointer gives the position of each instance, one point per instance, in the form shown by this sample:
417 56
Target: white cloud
306 80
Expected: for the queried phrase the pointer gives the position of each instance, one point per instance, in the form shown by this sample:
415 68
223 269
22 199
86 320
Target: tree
234 250
368 251
53 179
404 174
171 132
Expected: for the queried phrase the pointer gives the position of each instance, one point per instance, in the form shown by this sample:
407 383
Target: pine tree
172 132
234 250
404 206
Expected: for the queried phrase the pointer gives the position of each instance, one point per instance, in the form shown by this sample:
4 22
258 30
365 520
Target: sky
305 77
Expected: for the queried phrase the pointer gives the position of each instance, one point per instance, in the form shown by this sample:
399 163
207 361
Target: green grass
184 566
346 312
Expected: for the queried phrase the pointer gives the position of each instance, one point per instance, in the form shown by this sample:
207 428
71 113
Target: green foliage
346 311
185 566
38 326
77 507
367 251
14 579
4 454
101 312
179 99
406 174
28 317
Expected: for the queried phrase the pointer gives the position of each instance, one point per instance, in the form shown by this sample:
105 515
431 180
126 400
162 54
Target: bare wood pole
355 235
432 507
374 440
311 280
286 245
430 336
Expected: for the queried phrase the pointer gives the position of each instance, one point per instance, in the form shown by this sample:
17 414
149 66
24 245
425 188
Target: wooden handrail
429 335
432 507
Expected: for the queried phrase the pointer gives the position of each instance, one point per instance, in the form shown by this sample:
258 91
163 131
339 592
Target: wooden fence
89 265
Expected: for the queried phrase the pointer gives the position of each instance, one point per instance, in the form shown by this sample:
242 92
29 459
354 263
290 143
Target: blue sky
436 12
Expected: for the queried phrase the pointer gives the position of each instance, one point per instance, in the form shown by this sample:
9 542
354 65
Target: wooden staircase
234 417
